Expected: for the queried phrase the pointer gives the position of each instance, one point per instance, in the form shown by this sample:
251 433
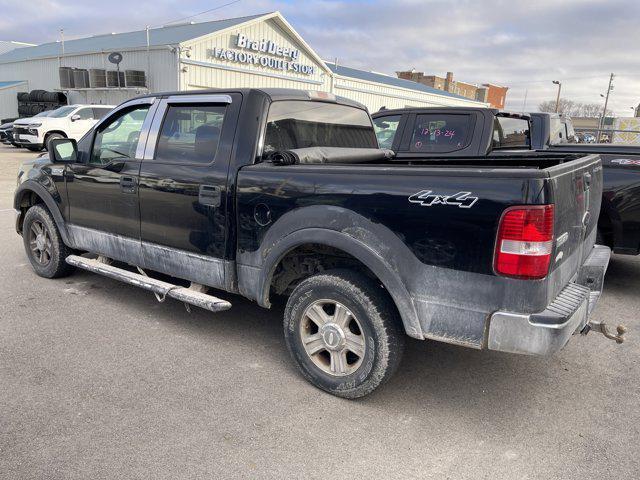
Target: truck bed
442 250
506 160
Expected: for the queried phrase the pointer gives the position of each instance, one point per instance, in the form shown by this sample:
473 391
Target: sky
520 44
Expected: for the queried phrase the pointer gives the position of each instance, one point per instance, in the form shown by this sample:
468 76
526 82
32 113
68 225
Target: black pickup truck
459 132
285 192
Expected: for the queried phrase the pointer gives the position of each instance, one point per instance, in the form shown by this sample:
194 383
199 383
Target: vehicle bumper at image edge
546 332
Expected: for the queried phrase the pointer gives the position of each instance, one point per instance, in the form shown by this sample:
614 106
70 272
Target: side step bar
158 287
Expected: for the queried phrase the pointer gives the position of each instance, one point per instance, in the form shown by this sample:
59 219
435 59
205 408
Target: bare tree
592 110
574 109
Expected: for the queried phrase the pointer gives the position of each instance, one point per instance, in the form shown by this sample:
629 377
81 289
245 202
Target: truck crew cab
285 192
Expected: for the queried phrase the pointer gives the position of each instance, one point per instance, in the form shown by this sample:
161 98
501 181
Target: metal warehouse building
255 51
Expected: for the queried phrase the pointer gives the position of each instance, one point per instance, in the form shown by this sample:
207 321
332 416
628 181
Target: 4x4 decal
427 199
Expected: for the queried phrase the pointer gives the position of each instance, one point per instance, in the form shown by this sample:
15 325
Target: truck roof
429 109
273 93
446 109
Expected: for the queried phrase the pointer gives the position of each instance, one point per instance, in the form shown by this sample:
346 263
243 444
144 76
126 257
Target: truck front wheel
343 332
49 137
43 244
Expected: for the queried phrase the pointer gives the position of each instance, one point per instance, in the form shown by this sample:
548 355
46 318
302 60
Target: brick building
495 95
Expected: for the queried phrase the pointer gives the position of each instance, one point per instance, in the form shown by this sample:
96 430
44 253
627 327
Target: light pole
556 82
606 102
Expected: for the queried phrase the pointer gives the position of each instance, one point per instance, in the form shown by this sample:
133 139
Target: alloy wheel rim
40 243
332 337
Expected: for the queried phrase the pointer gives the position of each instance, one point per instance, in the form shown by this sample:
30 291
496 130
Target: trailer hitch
602 328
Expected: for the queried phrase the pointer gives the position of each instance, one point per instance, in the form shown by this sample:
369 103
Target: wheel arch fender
369 243
30 187
58 132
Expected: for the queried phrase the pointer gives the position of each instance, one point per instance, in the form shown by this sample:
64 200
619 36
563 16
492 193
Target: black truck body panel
427 252
229 223
619 218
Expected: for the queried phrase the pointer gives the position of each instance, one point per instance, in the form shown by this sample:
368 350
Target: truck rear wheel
343 332
43 244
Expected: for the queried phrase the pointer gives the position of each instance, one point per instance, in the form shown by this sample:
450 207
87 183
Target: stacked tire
36 101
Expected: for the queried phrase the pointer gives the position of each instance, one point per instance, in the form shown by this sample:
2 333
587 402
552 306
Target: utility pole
556 82
606 102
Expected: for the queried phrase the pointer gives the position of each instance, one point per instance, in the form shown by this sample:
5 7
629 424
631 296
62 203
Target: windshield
44 114
295 124
62 112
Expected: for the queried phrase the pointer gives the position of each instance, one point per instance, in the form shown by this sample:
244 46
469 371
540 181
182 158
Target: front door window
118 139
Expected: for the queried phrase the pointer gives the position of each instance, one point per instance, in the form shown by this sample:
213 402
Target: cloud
521 44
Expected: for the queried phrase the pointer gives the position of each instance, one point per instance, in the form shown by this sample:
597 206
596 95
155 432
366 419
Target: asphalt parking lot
98 380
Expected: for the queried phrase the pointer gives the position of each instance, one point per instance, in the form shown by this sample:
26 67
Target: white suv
70 121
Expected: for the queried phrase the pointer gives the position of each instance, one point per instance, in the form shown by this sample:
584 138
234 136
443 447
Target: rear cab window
440 133
510 132
293 124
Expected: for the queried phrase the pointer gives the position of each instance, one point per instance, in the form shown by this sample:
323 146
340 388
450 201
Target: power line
196 14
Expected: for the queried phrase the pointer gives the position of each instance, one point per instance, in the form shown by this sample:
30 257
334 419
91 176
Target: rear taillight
525 242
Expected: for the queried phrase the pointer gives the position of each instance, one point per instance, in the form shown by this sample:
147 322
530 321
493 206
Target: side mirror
63 150
75 117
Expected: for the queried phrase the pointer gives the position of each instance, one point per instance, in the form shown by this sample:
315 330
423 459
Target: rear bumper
546 332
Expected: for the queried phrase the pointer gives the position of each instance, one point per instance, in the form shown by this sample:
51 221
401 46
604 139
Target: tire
49 137
40 234
361 340
50 97
36 95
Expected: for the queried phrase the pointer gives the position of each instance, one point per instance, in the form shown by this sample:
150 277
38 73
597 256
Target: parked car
284 192
69 121
9 134
4 129
587 138
489 132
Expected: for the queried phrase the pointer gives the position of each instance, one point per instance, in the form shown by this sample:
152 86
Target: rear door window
386 129
190 134
440 133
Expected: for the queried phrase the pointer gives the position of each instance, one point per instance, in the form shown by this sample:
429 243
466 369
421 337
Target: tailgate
577 193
